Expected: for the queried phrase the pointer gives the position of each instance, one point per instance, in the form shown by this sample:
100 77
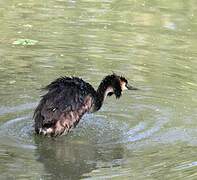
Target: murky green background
147 134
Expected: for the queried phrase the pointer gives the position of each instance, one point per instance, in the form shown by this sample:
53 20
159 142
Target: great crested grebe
69 98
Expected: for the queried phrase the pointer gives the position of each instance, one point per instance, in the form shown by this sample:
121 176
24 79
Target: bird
68 98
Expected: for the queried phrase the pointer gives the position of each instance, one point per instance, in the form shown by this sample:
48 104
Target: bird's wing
67 104
71 118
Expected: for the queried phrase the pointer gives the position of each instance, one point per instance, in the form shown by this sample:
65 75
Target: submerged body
69 98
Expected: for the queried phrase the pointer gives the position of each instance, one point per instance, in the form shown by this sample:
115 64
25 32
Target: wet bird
69 98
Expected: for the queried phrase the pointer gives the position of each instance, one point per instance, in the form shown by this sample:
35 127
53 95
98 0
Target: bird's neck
101 94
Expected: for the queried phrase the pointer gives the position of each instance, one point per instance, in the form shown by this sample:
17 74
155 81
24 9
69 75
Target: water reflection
152 43
65 159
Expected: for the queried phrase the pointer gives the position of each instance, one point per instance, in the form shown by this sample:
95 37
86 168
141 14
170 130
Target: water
147 134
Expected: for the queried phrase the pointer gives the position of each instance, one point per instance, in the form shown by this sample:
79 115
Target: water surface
147 134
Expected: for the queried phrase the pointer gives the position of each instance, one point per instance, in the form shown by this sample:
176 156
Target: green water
147 134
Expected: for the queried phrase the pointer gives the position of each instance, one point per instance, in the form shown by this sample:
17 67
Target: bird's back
61 108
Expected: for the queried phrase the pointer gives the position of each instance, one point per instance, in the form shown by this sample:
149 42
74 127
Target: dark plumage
69 98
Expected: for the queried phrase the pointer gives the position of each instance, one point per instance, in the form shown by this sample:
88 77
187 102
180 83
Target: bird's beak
131 87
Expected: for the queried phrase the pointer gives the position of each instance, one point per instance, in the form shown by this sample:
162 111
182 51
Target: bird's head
116 85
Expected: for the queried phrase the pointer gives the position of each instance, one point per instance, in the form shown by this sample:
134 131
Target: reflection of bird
69 98
66 160
76 157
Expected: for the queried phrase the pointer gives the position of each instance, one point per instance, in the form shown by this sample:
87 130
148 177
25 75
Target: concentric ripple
19 131
139 125
159 116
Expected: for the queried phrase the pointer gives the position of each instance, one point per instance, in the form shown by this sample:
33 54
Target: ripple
97 128
187 165
110 128
18 132
22 107
145 126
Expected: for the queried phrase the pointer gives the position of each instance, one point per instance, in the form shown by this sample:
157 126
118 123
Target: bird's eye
110 94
